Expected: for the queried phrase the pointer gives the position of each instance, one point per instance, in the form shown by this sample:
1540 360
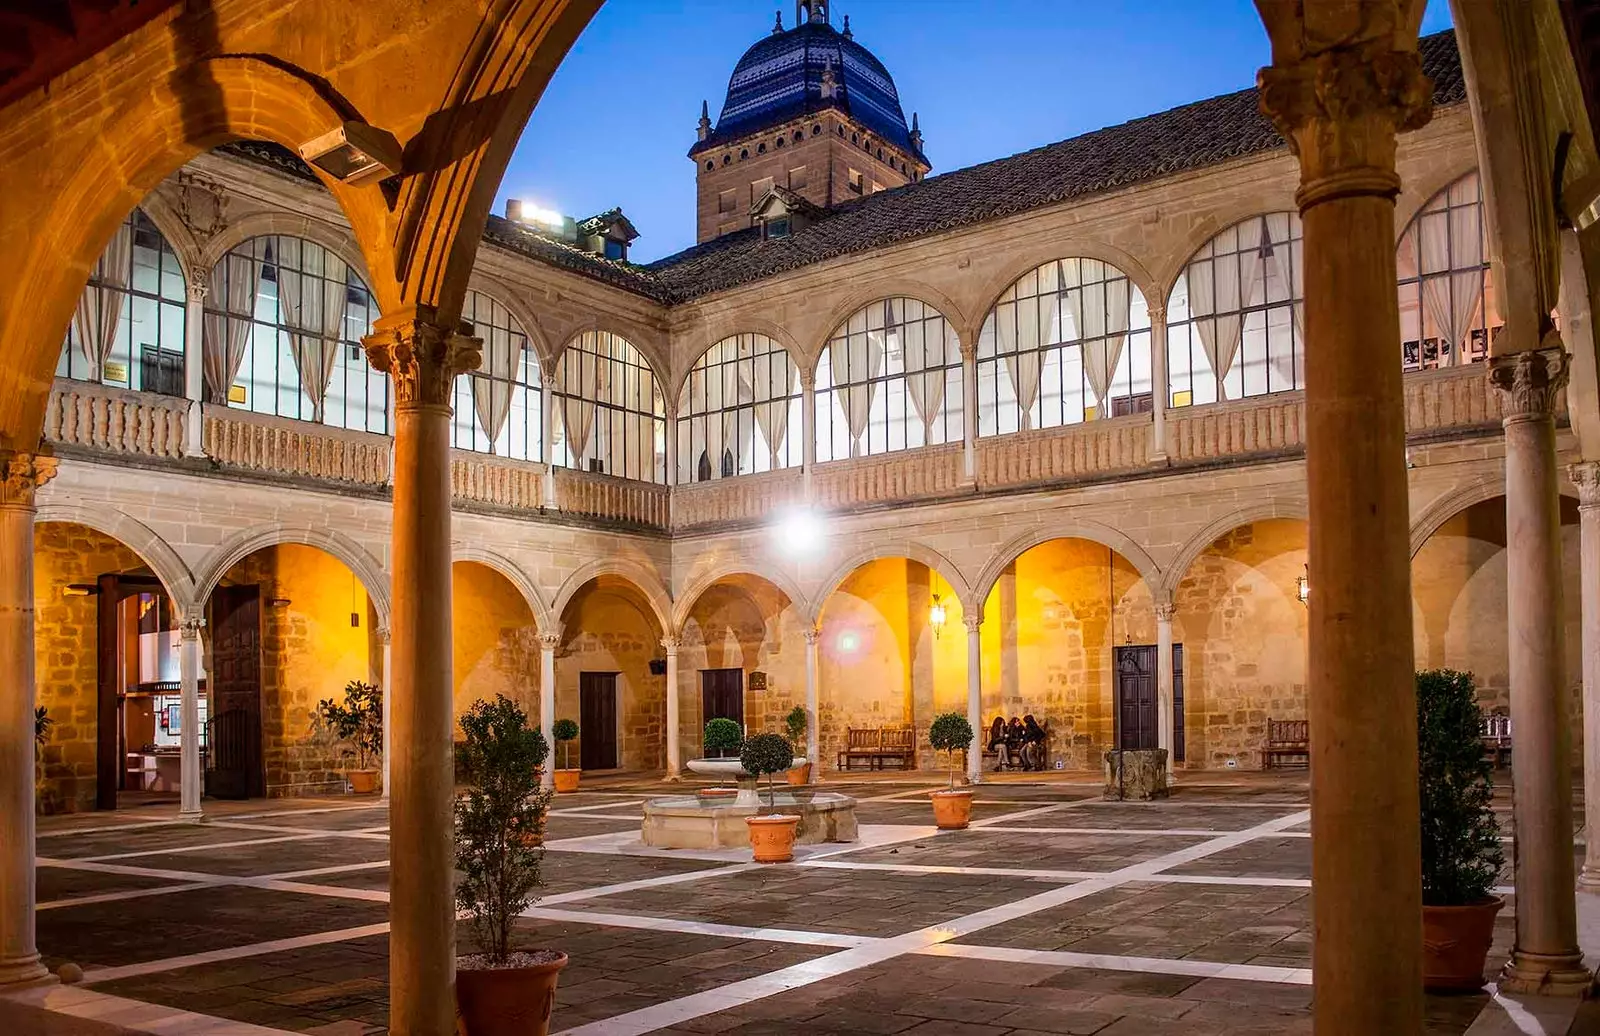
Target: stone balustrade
1260 424
613 499
497 481
261 442
1060 454
80 413
923 474
746 498
1453 398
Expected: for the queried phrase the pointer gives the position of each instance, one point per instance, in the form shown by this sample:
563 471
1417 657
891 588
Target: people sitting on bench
1018 744
997 743
1033 743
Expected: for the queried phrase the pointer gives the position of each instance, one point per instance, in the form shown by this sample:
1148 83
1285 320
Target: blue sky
990 78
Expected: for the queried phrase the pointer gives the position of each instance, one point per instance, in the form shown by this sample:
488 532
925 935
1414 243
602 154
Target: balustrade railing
936 471
485 479
743 498
616 499
80 413
1070 452
261 442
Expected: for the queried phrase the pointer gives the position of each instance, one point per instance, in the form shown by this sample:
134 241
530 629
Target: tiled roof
1190 137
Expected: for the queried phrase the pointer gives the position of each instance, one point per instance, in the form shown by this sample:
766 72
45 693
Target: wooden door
1177 703
1136 697
597 721
722 694
235 769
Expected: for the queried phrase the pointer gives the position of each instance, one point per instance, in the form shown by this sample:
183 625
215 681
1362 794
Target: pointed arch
374 579
1196 544
1078 529
137 537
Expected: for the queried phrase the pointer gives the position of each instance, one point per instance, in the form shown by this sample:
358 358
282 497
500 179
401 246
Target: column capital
199 290
1528 382
1586 476
383 635
189 629
1340 106
421 358
812 634
21 475
671 645
549 640
1165 610
972 622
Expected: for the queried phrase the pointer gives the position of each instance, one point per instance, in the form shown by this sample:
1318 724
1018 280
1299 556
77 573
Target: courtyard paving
1055 913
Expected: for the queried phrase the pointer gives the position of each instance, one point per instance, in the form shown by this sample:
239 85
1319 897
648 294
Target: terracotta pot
1455 941
507 1001
800 774
566 780
952 810
717 796
772 838
362 782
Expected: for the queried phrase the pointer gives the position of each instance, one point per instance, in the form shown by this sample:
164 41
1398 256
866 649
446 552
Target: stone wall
609 629
748 624
494 640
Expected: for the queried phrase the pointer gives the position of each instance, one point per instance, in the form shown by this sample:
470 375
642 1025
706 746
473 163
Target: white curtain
1452 298
491 388
581 378
1219 289
1022 367
224 335
1286 363
1108 315
322 323
94 323
775 379
855 361
925 376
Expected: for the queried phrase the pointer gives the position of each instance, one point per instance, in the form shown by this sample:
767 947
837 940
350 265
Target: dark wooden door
1136 698
235 769
597 721
722 694
1177 703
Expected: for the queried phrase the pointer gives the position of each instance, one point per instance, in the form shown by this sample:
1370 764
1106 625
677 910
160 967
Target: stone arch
503 293
913 551
286 224
137 537
703 343
686 599
893 288
641 338
366 568
513 574
178 236
640 578
1094 532
1208 227
1437 512
1426 189
1020 263
1196 544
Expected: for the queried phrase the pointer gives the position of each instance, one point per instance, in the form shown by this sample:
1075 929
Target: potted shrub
952 807
772 835
357 725
565 731
795 722
721 740
499 831
1461 855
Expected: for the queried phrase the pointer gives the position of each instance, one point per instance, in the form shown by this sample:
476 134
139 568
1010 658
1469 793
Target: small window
727 159
777 227
815 130
761 148
779 142
616 249
710 166
744 153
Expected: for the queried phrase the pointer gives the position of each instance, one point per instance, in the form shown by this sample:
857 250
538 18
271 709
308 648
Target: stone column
974 624
21 474
1586 477
384 679
1160 391
813 636
969 404
674 753
549 640
547 445
1343 83
808 425
189 773
1164 679
422 359
1545 958
194 376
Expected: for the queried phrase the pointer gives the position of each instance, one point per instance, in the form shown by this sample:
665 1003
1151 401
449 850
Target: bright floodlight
798 532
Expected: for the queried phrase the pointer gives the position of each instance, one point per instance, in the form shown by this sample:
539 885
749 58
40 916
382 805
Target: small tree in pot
499 831
771 836
357 724
565 777
1461 854
952 808
795 725
721 739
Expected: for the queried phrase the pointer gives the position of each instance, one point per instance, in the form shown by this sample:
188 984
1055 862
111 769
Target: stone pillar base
1589 879
24 974
1541 974
673 778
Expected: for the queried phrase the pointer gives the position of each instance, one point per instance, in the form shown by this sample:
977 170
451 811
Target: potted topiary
499 832
1461 855
952 807
722 739
565 731
772 835
357 725
795 722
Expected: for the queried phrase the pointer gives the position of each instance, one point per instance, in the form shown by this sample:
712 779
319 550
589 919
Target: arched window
128 328
1068 342
613 417
1448 311
739 410
889 379
498 406
1235 321
284 321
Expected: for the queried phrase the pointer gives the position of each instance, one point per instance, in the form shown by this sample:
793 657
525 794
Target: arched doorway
611 675
731 659
494 639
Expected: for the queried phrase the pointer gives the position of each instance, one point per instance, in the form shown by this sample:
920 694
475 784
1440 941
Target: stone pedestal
1136 774
683 822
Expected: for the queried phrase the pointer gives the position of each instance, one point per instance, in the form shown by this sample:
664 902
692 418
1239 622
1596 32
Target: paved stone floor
1055 913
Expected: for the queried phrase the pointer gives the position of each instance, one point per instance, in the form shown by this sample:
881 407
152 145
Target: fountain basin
683 822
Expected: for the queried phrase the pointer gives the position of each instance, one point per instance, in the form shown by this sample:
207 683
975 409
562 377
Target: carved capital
24 474
189 629
422 359
1528 382
1158 314
1586 476
383 635
549 641
972 622
670 645
1165 610
1340 108
198 290
812 634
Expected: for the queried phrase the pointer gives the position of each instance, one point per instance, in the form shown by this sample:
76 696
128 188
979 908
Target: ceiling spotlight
355 153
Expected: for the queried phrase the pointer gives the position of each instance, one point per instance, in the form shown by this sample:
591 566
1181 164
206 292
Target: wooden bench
877 745
991 757
1286 739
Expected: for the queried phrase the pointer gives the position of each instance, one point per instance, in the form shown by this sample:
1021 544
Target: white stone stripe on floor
576 811
365 833
645 883
1170 833
928 868
116 897
88 829
1115 962
137 1015
679 926
1524 1015
255 949
181 849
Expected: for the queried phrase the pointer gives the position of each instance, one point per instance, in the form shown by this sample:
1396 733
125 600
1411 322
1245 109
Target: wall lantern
936 616
1302 586
80 589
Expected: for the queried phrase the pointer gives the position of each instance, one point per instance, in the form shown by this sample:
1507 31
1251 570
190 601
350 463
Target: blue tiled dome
780 78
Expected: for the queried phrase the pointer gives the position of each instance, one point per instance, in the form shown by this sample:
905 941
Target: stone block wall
610 630
494 640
